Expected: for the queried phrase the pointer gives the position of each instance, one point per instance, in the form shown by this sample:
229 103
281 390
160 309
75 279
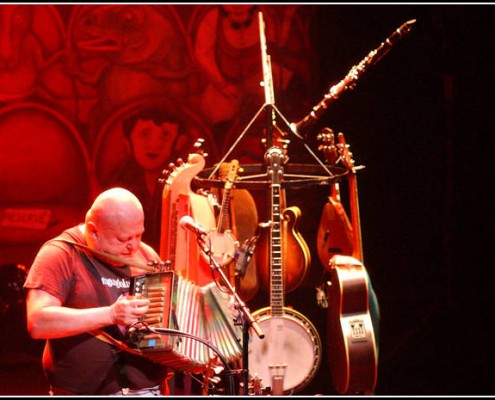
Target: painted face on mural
152 144
240 15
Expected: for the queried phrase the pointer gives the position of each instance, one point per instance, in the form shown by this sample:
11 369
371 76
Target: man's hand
128 310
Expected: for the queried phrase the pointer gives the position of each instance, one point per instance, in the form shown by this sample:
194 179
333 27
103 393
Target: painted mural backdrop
70 75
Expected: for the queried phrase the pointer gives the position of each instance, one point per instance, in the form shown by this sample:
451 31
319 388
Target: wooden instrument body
335 233
244 228
235 237
351 339
179 246
352 348
297 256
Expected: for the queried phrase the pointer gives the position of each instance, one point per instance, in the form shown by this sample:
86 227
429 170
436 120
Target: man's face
152 144
121 238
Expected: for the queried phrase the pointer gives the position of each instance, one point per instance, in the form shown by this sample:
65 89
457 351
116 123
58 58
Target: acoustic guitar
352 349
353 357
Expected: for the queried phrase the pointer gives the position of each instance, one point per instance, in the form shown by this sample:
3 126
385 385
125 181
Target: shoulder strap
105 337
99 333
107 255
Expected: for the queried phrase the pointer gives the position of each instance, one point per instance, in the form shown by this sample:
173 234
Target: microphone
244 255
187 222
321 298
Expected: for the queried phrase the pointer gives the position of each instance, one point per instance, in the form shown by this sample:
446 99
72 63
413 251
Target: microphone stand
247 320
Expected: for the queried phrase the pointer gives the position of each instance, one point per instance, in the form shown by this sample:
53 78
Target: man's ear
92 230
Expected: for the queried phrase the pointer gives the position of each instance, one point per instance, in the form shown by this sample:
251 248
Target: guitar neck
355 216
224 212
353 197
224 209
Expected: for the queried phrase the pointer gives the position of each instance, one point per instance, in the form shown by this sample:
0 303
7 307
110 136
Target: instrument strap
99 333
116 345
107 255
107 338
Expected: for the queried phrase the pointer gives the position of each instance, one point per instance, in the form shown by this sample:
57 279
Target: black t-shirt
84 364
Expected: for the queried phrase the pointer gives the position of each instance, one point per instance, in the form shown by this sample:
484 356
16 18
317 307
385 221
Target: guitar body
335 233
244 227
351 339
291 340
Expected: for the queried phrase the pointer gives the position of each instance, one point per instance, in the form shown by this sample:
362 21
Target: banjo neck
275 157
223 216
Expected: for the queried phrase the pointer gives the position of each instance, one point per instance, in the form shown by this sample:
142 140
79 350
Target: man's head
115 223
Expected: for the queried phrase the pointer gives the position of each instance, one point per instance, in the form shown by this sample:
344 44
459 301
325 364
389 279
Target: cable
170 331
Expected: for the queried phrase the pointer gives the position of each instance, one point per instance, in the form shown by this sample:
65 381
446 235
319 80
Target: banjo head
290 352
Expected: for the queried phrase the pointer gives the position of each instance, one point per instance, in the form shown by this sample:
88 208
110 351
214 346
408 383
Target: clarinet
349 82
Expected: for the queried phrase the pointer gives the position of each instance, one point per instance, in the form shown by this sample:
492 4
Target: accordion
192 316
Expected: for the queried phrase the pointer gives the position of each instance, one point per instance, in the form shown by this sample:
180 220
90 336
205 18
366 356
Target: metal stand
247 320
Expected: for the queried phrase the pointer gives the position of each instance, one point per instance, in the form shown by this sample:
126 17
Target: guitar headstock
345 154
232 174
335 152
327 137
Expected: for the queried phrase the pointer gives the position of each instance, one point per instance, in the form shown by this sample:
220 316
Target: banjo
289 355
221 241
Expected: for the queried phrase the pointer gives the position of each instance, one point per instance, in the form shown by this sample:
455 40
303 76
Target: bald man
79 282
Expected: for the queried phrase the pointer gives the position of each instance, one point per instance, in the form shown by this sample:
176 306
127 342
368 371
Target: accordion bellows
198 314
